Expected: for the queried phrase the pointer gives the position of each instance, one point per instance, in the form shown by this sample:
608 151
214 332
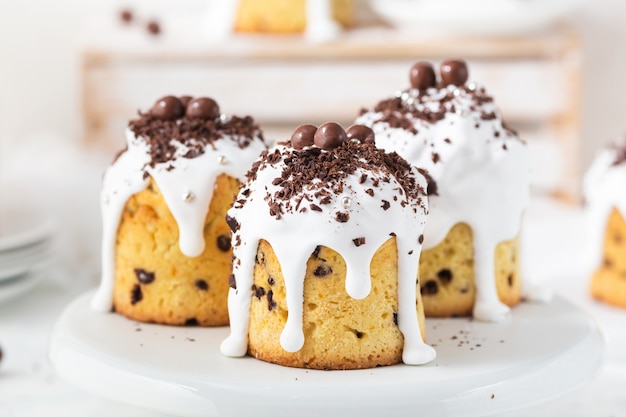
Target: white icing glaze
602 187
295 236
481 170
197 176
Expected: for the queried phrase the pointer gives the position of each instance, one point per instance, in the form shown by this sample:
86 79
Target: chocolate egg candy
422 76
203 108
126 15
168 108
303 136
153 27
329 136
185 100
361 133
453 72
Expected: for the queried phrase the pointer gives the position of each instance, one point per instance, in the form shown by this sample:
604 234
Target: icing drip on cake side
367 205
481 169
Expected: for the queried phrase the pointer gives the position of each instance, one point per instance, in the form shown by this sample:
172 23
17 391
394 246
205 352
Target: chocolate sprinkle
223 243
136 295
358 241
342 217
303 170
444 275
232 282
271 304
322 271
202 285
232 223
144 276
258 292
430 288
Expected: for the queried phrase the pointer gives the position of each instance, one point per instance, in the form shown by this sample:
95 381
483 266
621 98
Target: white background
39 66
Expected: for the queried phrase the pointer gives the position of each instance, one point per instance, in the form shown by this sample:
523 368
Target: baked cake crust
608 283
448 284
325 254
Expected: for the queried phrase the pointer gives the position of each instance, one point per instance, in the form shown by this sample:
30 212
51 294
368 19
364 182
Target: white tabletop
553 250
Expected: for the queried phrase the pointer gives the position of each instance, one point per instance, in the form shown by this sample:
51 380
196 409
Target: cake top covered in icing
190 123
314 167
429 101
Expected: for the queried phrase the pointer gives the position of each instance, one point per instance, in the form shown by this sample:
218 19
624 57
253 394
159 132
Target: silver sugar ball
188 197
346 202
222 160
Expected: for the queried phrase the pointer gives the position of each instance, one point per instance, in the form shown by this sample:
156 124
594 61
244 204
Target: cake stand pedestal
545 350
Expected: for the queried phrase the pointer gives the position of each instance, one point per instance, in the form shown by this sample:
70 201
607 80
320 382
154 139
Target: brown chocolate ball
203 108
329 136
453 72
303 136
362 133
153 27
126 15
168 108
422 76
185 100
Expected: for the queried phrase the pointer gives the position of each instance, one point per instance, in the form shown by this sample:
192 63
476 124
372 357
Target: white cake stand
544 351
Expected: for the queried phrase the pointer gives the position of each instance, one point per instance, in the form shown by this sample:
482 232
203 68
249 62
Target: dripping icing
481 169
175 178
315 228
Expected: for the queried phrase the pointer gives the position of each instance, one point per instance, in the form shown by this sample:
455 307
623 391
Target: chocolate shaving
164 136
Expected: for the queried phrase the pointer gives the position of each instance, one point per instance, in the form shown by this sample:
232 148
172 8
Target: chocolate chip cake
605 207
166 247
285 16
453 130
326 250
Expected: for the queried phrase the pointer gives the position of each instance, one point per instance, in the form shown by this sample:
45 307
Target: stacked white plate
25 250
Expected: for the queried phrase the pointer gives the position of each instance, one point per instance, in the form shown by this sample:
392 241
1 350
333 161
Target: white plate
21 227
25 254
19 263
20 285
544 351
477 17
